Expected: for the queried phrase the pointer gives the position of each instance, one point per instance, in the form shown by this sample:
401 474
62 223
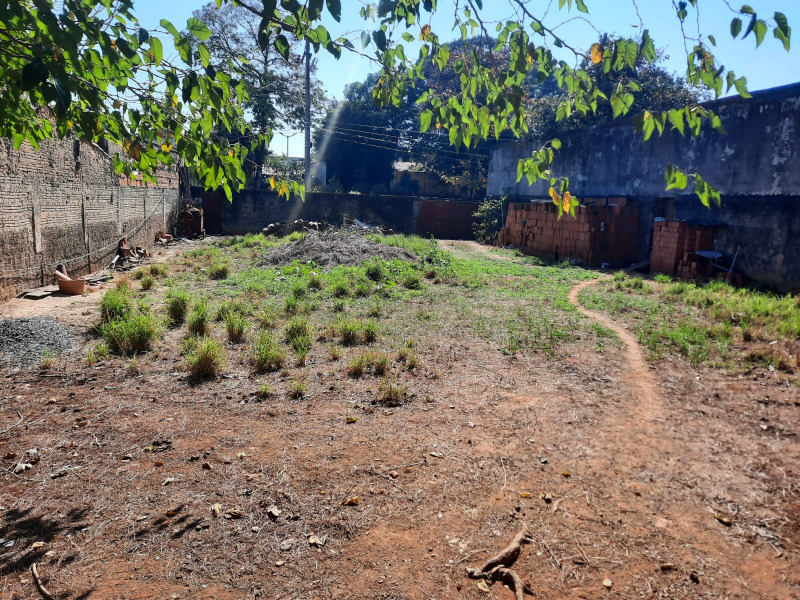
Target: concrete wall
756 166
64 204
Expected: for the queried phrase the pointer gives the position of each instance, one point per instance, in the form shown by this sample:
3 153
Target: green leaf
380 39
198 29
760 30
675 117
713 40
282 46
736 27
425 120
582 6
747 10
335 8
365 39
157 49
741 87
406 36
205 55
143 35
171 28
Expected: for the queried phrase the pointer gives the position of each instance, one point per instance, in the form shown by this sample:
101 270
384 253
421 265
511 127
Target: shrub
376 309
265 353
297 388
291 305
489 218
130 334
231 307
148 282
341 289
300 336
334 352
116 304
375 270
349 331
412 281
177 304
159 270
199 318
266 317
299 290
206 358
392 392
315 282
363 289
377 362
236 324
663 278
370 330
219 270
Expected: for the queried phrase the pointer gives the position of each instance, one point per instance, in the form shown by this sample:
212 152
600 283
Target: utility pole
287 149
307 160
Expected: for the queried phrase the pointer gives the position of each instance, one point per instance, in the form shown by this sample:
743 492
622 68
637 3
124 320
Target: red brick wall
604 230
674 247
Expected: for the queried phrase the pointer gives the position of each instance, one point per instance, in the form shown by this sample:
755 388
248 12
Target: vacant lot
233 426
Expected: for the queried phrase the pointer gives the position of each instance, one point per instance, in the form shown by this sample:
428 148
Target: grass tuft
206 358
266 354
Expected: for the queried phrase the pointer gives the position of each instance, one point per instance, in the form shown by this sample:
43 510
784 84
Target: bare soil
669 481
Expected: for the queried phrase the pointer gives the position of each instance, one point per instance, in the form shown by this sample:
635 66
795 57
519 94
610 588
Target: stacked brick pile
604 231
674 247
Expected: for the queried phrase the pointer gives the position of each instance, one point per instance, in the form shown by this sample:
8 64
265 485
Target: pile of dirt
27 341
333 248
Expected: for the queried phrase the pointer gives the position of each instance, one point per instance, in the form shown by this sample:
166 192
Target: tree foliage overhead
103 75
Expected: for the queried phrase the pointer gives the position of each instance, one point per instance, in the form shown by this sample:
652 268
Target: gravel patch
25 341
334 248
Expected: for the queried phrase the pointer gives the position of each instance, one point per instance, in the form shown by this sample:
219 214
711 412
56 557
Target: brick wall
604 230
64 203
675 244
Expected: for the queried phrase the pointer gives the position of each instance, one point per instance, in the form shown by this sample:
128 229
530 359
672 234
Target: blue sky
769 66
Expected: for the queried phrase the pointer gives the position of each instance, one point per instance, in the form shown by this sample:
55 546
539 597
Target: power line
350 141
392 138
396 145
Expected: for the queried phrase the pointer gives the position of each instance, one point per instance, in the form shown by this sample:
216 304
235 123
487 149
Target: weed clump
177 305
412 281
266 354
375 362
205 358
116 304
199 318
297 388
130 334
219 270
236 325
148 282
392 392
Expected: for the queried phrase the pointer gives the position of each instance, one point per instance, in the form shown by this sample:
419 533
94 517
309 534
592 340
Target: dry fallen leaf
168 480
351 501
484 587
37 545
394 474
723 519
566 473
234 513
159 463
437 454
206 466
607 583
241 455
216 509
274 512
352 419
526 495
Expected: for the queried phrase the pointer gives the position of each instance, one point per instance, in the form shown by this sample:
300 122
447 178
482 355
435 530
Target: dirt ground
667 480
